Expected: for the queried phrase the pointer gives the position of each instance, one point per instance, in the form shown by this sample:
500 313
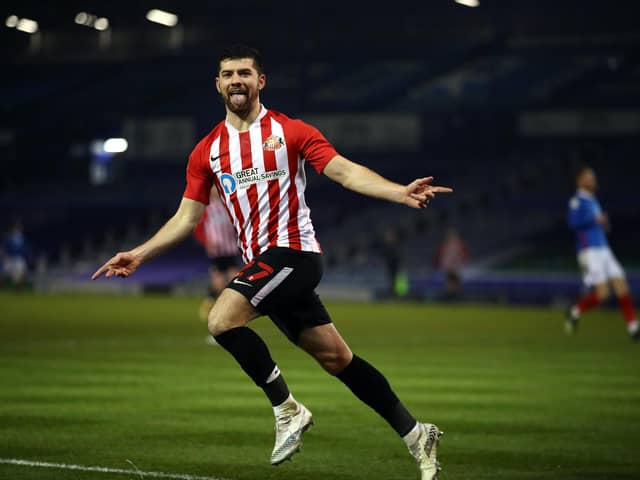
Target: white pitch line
85 468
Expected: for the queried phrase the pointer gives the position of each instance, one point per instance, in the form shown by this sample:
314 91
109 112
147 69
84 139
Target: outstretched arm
175 230
363 180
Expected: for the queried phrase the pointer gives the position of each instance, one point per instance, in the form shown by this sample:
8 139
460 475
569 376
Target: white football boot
572 318
424 450
291 423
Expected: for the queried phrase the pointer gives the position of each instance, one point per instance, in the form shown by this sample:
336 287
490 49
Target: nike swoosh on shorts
240 282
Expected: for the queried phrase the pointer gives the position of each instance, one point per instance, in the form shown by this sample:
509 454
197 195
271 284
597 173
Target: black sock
277 390
370 386
253 356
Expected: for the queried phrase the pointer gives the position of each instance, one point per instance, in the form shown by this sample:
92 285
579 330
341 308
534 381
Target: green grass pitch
105 381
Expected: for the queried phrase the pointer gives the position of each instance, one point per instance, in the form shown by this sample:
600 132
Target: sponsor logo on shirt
247 177
228 183
273 143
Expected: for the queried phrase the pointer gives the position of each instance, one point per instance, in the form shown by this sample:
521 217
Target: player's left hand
603 219
419 192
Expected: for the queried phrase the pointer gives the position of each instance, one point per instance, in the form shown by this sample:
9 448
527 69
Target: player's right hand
419 192
122 264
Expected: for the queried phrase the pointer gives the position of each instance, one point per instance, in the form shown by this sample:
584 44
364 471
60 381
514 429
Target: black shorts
280 283
225 262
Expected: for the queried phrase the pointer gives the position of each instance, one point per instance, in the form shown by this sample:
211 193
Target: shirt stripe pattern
260 176
220 234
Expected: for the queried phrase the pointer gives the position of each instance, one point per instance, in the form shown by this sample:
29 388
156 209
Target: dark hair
235 52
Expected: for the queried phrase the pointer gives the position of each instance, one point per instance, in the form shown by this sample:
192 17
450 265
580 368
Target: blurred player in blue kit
14 254
599 266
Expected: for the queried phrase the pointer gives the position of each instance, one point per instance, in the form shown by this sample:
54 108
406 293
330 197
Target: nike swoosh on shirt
240 282
213 159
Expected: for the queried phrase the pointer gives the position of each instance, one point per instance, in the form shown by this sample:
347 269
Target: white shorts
598 265
15 268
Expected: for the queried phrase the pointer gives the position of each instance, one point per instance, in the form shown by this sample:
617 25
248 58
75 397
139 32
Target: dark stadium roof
301 26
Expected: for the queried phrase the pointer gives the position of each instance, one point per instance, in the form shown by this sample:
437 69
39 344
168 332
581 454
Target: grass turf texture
99 380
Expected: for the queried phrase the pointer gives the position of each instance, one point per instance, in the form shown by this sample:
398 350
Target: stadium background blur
500 102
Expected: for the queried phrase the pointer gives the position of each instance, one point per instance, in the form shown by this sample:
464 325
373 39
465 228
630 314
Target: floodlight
468 3
101 24
82 18
91 20
115 145
27 25
163 18
11 21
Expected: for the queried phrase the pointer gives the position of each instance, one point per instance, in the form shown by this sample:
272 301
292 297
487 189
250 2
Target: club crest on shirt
273 143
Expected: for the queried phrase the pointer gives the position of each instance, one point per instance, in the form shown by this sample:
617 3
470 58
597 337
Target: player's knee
602 293
218 323
215 326
620 287
231 310
335 361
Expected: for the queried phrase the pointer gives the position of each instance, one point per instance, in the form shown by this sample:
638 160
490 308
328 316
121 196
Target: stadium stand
468 92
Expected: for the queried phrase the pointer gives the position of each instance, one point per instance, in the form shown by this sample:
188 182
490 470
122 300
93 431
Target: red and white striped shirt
215 232
260 176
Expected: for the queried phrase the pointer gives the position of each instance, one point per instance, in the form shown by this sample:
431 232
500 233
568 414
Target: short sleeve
199 175
315 148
